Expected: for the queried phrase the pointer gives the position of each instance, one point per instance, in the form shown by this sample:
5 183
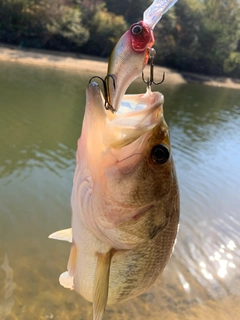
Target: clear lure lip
155 11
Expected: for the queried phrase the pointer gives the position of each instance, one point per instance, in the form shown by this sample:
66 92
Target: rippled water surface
41 113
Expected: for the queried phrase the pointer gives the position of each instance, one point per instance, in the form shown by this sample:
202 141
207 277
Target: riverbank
96 65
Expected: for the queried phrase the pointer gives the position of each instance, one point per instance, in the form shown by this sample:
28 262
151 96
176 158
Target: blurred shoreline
98 66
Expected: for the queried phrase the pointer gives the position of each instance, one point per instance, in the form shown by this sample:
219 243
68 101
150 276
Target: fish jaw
127 60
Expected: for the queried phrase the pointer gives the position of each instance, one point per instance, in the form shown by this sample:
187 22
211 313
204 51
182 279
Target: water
41 113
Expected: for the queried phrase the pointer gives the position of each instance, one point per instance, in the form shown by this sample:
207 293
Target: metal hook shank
150 81
107 105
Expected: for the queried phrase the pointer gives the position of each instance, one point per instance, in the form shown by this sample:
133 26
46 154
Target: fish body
125 200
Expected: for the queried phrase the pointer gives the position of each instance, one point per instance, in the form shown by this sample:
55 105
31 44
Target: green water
41 112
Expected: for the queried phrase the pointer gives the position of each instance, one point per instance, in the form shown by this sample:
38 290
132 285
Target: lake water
41 112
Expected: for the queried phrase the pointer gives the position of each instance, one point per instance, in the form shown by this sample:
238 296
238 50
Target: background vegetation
195 35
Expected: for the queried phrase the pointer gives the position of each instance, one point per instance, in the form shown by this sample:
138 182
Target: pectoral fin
101 283
72 260
66 280
64 235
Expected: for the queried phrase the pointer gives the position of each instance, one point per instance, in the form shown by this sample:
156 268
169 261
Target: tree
131 10
66 30
105 30
219 33
199 36
195 35
42 24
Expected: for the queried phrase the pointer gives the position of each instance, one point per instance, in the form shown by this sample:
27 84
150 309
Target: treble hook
150 81
107 105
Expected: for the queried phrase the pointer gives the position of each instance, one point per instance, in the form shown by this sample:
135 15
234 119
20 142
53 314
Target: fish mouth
120 138
137 115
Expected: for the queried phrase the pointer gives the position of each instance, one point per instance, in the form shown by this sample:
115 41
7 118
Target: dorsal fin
64 235
101 283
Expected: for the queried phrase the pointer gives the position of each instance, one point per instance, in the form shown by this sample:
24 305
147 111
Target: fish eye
137 29
160 154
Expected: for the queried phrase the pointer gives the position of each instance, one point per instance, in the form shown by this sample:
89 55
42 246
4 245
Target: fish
131 53
125 200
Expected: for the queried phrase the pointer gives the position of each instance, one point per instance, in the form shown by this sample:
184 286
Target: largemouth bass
125 200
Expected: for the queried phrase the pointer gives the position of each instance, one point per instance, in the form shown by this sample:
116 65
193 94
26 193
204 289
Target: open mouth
137 102
137 114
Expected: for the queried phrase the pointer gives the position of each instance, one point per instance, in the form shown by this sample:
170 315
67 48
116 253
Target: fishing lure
132 52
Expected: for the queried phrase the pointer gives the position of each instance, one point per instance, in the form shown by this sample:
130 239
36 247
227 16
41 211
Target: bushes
65 29
41 24
105 30
232 65
203 38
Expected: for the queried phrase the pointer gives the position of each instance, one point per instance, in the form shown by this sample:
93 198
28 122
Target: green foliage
41 24
232 65
66 29
132 10
219 33
105 30
199 36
